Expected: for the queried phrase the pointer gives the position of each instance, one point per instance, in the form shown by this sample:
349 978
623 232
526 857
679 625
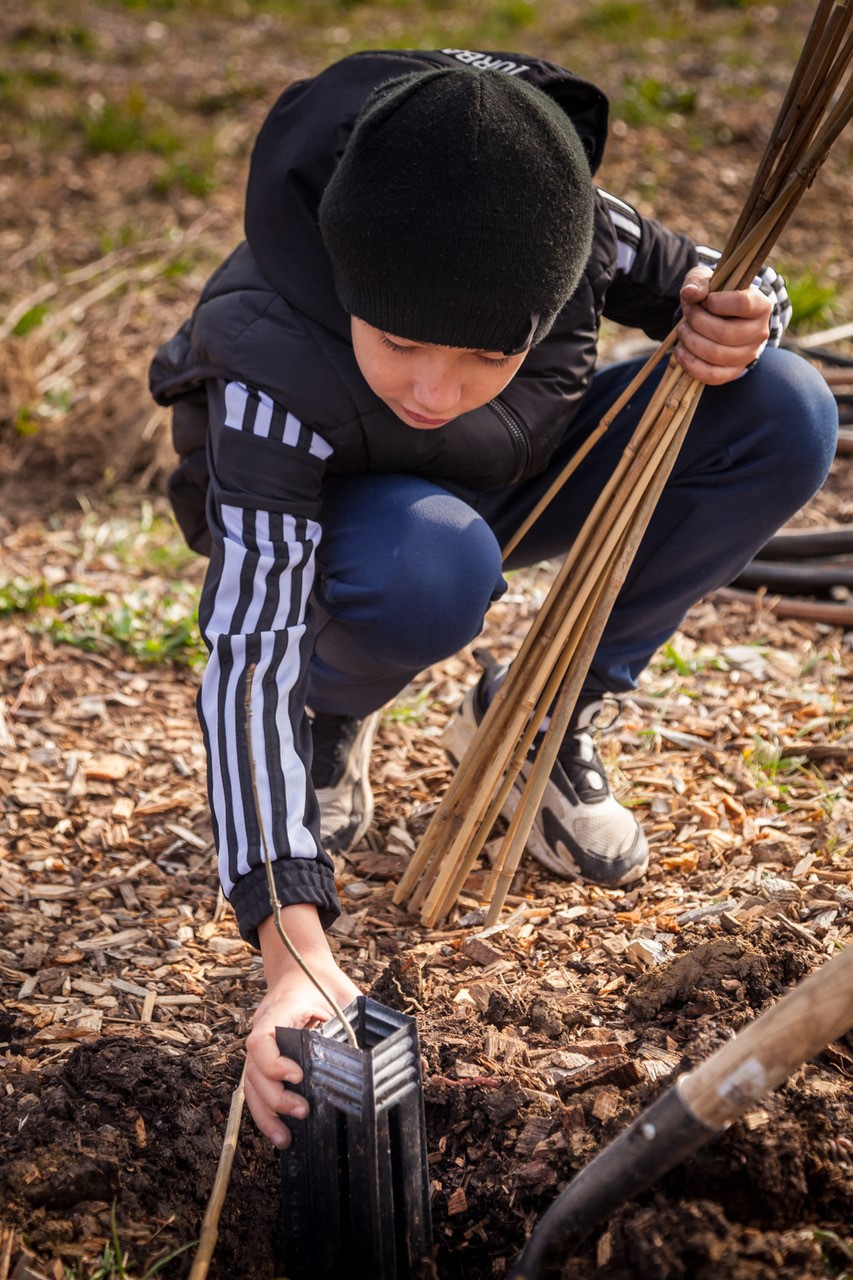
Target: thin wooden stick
595 551
573 463
460 811
490 752
210 1225
784 121
799 84
6 1256
609 587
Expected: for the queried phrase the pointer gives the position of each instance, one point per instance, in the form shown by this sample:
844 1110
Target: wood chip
188 837
102 941
537 1129
481 952
111 767
457 1202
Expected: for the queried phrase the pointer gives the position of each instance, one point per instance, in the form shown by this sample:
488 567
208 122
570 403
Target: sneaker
339 772
581 830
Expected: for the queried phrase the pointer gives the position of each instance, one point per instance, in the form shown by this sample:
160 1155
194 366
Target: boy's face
424 385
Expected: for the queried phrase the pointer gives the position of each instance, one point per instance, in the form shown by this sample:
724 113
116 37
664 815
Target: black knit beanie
460 213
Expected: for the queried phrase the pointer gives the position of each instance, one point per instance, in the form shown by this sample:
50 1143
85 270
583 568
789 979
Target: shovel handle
767 1051
695 1109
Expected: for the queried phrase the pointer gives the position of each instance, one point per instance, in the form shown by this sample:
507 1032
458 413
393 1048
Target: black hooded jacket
267 397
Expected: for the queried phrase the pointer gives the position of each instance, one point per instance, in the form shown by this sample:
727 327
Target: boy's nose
437 396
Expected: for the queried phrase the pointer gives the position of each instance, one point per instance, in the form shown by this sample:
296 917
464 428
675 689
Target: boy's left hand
720 333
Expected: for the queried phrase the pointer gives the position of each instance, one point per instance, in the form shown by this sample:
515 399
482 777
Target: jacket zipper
521 445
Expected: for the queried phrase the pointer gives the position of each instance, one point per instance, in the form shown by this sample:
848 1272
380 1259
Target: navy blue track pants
407 570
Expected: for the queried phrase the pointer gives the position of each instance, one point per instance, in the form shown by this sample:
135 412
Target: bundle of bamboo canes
547 675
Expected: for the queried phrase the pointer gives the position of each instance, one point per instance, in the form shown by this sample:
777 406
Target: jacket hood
303 139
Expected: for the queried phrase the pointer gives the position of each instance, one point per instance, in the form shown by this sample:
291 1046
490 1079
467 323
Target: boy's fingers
263 1053
731 355
695 285
266 1119
713 375
275 1097
745 303
726 331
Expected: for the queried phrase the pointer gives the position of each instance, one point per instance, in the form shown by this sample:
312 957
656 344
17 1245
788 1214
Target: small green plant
769 762
671 659
26 421
652 101
34 35
410 707
118 127
31 320
836 1253
814 302
115 1264
515 14
113 129
153 628
180 175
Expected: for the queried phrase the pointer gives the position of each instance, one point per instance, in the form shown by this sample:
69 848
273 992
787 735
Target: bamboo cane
556 652
608 589
460 812
598 551
800 84
210 1225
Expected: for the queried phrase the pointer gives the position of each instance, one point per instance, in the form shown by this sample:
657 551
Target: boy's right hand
292 1000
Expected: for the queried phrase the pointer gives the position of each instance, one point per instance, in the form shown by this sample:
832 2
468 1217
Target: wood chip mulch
542 1035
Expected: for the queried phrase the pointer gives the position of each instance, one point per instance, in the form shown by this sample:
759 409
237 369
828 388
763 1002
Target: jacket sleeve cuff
297 880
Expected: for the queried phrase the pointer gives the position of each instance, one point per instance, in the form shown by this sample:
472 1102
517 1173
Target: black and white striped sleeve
651 263
266 469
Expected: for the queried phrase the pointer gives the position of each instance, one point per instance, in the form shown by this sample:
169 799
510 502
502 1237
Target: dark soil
141 1125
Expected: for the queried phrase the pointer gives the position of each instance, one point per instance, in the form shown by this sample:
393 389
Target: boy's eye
495 362
395 346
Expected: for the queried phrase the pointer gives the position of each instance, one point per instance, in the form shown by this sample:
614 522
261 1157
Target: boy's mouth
419 417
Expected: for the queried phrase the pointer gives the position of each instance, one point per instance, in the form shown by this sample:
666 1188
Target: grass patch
115 1263
36 35
183 176
153 617
769 762
649 101
149 626
815 303
116 128
670 658
31 320
411 706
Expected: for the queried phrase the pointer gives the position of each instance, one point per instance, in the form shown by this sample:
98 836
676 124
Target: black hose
808 543
792 579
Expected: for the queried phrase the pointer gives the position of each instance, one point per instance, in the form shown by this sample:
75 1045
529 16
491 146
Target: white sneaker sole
455 741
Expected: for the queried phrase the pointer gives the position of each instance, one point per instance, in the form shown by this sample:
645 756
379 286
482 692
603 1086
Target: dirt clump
698 981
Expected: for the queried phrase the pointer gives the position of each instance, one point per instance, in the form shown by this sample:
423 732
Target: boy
402 354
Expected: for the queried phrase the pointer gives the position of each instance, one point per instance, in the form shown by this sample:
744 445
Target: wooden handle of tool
768 1050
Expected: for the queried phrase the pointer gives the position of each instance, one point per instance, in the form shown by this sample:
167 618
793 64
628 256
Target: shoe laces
578 755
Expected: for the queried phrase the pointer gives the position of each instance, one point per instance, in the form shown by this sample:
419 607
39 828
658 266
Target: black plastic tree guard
354 1181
